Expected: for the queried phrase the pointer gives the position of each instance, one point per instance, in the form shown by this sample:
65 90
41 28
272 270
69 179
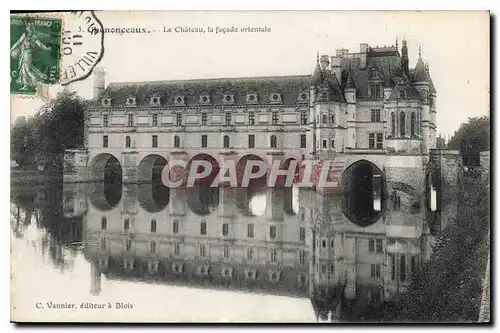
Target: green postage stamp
34 52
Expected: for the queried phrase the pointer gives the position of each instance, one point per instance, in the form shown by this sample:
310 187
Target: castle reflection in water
280 241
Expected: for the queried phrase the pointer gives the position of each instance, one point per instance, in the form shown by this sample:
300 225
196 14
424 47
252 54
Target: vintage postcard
246 166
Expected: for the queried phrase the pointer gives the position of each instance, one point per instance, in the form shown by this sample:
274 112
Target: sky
456 45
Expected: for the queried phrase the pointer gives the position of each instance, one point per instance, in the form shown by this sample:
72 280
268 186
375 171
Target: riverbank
448 288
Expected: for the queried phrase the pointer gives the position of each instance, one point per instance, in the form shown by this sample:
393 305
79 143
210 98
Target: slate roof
420 73
290 87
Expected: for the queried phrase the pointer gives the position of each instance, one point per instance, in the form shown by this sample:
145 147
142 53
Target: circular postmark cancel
82 46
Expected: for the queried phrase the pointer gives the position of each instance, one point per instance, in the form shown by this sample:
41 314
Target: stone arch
240 169
364 199
105 167
150 168
208 158
105 196
153 197
202 199
291 200
252 200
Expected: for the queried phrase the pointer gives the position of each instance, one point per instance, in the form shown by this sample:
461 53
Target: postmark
82 46
34 53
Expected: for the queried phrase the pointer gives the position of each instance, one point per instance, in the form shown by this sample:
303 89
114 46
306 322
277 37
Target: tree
45 136
475 134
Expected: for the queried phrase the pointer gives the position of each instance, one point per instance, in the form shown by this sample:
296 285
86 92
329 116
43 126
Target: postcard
250 166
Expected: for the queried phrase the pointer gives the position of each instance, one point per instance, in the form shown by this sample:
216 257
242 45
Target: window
251 119
302 257
203 250
380 144
275 118
103 244
155 141
323 269
175 226
393 124
325 144
128 245
303 118
178 119
152 247
402 267
375 140
127 142
155 119
332 118
105 120
105 141
203 228
325 119
402 122
130 121
274 141
153 225
392 259
226 251
225 229
413 263
272 232
303 141
250 230
302 234
204 119
371 245
126 224
274 255
226 141
251 141
332 243
412 124
379 245
323 243
204 141
324 95
375 271
104 223
177 142
250 253
375 115
228 119
375 91
333 144
177 249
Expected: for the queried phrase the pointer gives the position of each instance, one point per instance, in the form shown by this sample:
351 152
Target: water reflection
280 241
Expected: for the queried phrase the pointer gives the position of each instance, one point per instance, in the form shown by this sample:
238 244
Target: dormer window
204 99
275 98
251 99
106 102
130 101
154 101
228 99
179 100
303 97
324 96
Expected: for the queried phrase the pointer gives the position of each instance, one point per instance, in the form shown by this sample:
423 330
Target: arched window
412 124
402 121
393 124
127 142
274 141
226 141
177 142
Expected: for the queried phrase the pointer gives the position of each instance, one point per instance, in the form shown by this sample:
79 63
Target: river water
100 252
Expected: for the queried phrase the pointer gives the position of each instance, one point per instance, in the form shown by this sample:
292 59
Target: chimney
99 82
363 50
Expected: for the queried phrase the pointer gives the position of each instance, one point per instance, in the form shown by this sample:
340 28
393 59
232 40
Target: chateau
365 103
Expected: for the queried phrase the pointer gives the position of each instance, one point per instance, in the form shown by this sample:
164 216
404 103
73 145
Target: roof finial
317 56
396 42
420 51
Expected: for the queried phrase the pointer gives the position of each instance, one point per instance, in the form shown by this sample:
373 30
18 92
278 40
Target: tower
404 58
99 82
